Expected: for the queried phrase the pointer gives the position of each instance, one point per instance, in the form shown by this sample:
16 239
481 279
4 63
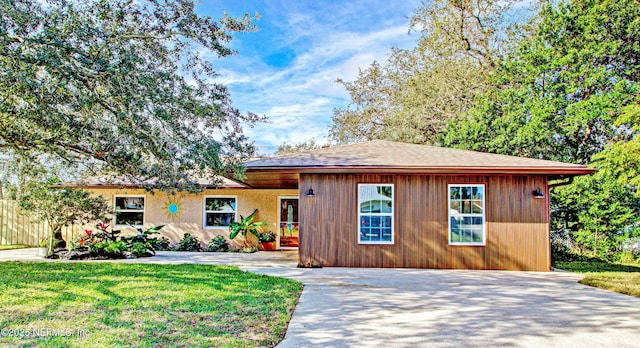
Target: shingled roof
382 156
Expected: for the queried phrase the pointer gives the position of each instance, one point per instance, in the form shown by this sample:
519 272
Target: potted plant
268 241
246 224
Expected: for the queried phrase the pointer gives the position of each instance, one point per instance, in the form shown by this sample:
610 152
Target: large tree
570 93
412 95
120 86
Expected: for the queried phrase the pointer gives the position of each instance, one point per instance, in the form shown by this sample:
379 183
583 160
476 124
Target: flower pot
268 246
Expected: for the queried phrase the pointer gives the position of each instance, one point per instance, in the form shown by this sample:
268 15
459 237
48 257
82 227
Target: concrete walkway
351 307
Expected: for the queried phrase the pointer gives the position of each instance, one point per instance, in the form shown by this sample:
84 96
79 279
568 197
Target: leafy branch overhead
121 86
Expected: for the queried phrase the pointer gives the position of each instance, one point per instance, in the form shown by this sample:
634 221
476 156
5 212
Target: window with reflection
467 214
375 213
219 211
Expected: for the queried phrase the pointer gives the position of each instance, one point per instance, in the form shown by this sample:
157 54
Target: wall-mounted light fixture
310 193
537 193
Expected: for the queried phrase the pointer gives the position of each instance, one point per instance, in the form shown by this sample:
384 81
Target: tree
120 86
415 92
61 206
570 93
286 148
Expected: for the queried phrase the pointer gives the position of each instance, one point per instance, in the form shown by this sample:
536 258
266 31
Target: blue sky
287 70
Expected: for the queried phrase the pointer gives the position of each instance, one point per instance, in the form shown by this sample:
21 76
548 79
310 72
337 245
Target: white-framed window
467 222
219 211
375 213
128 210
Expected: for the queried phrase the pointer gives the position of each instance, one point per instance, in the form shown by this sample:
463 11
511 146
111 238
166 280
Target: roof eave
561 171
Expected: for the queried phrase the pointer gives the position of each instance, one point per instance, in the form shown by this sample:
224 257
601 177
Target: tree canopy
412 95
120 86
570 93
567 89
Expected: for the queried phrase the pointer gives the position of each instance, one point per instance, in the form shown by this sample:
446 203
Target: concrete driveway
351 307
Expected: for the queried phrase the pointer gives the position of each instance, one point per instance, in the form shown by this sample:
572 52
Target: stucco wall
189 218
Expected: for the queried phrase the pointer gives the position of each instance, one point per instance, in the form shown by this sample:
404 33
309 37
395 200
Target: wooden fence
19 228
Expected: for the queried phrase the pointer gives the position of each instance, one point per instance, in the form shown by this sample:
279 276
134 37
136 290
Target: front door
288 223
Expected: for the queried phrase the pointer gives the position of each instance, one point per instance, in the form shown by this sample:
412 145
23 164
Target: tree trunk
58 241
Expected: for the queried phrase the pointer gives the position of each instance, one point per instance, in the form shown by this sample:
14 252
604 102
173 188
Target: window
219 211
375 213
466 214
129 210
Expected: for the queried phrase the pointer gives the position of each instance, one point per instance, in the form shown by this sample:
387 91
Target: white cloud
327 44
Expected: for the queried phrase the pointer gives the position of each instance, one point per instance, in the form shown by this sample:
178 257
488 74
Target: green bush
218 243
138 249
188 243
161 244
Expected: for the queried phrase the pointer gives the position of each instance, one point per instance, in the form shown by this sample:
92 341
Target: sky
287 70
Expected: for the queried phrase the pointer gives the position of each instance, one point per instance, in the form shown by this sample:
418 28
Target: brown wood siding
517 225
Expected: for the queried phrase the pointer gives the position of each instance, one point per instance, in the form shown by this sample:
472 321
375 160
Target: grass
115 304
13 246
621 278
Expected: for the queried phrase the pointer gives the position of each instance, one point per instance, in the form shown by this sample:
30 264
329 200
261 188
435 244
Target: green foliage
286 148
570 93
61 206
249 250
218 243
141 244
107 248
160 244
120 86
178 305
109 244
245 225
412 95
266 237
188 243
139 249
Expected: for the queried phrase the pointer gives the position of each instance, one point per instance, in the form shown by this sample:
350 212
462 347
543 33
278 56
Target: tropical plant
246 225
218 243
160 244
188 243
142 241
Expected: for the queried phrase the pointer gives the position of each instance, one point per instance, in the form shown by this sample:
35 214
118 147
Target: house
390 204
374 204
202 215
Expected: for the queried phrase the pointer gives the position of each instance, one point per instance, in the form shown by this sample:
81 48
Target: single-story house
375 204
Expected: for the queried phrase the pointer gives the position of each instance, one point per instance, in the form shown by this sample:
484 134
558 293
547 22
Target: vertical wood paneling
517 224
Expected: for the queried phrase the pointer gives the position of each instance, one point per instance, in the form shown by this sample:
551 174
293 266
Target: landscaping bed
115 304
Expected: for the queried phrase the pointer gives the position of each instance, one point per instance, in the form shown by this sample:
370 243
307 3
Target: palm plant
246 224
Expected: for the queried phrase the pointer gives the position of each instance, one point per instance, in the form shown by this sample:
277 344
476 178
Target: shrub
218 243
162 244
188 243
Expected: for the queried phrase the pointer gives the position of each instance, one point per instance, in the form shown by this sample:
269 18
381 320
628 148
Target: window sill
376 243
468 244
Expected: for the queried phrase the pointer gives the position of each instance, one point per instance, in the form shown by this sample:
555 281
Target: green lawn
620 278
13 246
115 304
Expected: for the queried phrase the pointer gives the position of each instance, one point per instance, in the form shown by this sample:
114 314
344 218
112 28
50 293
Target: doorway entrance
288 223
